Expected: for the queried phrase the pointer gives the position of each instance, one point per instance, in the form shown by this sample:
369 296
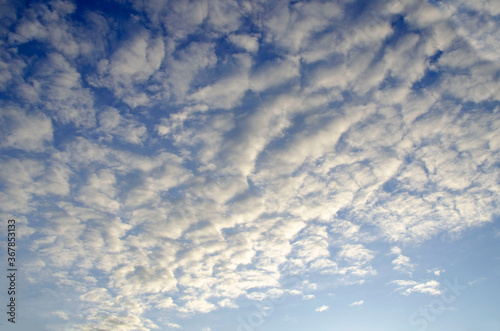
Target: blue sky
252 165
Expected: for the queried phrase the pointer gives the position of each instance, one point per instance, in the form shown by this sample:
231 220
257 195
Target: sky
251 165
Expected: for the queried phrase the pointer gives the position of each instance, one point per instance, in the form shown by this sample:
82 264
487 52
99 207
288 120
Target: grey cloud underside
291 166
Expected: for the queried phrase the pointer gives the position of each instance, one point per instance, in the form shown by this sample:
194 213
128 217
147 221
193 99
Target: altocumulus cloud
357 303
168 162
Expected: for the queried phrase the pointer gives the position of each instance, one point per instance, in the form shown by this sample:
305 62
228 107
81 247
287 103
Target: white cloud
224 16
11 66
272 74
130 66
357 253
194 199
200 305
57 87
227 92
137 59
406 287
427 14
174 326
100 192
112 123
290 26
49 24
317 141
401 263
249 43
169 175
183 68
18 184
25 130
436 271
322 309
96 295
478 30
60 314
227 303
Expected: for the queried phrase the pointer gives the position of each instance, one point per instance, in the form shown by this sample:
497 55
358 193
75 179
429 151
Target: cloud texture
180 158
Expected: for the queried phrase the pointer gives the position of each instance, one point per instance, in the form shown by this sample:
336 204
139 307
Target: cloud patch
407 287
175 161
322 309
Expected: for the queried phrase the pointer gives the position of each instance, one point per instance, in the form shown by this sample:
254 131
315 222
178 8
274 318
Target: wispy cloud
322 309
407 287
402 263
357 303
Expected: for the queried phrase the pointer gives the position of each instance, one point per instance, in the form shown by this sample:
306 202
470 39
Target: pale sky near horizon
252 165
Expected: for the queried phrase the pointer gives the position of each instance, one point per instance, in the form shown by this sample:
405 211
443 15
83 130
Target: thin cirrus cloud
357 303
174 164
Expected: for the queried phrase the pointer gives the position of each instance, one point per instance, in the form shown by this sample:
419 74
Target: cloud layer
188 155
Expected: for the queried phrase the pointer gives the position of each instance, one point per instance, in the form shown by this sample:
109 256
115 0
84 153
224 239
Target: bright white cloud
436 271
185 156
174 326
61 315
407 287
401 263
322 308
249 43
22 130
357 303
57 87
112 123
